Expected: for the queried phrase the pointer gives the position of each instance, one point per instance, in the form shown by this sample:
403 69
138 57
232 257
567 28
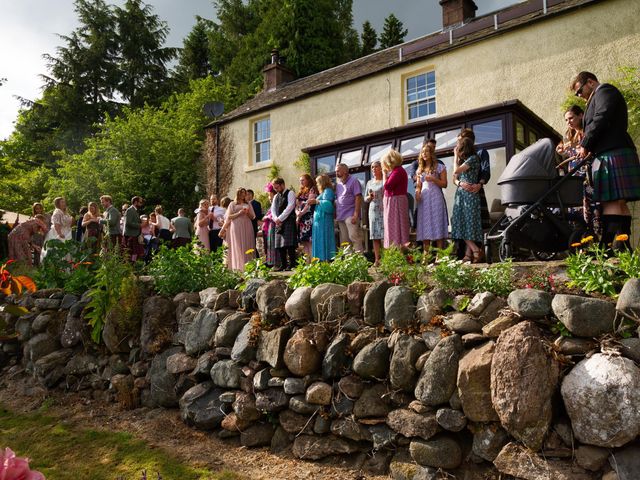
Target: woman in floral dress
432 222
269 232
466 223
304 212
374 193
21 239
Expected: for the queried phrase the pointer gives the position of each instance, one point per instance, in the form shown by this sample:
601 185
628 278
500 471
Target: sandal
466 258
478 256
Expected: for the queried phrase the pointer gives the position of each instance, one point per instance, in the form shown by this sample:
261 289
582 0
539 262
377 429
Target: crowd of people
310 217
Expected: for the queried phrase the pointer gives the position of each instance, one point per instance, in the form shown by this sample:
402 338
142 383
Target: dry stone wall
414 384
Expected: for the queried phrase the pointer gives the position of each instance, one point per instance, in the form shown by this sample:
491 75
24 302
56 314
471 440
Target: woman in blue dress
466 222
323 245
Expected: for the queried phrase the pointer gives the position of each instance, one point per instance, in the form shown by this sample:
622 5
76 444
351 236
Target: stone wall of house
457 385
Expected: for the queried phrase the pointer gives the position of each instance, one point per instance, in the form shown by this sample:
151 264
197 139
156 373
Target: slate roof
478 29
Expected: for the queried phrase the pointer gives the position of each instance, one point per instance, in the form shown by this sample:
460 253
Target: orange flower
575 245
622 238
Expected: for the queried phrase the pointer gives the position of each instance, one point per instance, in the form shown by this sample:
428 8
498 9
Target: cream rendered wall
533 64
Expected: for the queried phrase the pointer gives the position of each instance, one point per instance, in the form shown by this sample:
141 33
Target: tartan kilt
484 210
287 234
616 176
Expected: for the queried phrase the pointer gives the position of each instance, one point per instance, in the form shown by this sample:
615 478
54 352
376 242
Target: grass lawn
63 452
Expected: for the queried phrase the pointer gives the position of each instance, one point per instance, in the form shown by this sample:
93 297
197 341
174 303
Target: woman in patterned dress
324 237
396 204
269 232
304 212
202 223
38 238
432 223
21 239
374 193
466 222
239 232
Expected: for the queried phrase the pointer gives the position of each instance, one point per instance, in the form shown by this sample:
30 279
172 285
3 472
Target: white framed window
421 95
262 140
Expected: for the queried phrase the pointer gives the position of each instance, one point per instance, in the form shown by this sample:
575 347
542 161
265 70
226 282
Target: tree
393 32
193 60
368 38
142 57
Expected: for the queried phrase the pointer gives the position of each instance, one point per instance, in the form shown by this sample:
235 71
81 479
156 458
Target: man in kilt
615 167
132 230
282 211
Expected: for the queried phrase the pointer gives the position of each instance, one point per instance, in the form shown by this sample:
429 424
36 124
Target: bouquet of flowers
15 468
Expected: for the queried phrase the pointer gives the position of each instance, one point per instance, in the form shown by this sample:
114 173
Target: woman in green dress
466 222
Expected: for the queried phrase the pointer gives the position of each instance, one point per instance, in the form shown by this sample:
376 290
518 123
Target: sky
29 28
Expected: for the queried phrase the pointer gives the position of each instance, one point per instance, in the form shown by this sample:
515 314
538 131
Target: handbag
141 239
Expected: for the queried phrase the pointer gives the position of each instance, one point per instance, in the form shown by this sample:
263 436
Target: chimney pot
275 73
457 12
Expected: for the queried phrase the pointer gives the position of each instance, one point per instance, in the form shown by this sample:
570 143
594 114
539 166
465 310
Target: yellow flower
622 238
345 244
587 239
315 260
577 244
249 252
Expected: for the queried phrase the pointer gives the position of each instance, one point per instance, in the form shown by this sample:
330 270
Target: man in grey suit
132 229
111 221
182 229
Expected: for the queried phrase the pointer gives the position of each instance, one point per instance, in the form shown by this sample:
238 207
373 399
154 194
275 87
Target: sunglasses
579 91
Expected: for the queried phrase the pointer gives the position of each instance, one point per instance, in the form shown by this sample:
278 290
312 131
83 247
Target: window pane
533 137
447 139
326 164
488 131
520 132
411 146
352 159
376 153
421 95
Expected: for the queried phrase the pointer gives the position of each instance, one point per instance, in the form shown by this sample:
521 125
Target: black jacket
606 121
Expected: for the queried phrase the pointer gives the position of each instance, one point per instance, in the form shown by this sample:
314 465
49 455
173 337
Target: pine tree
393 32
369 39
194 56
143 58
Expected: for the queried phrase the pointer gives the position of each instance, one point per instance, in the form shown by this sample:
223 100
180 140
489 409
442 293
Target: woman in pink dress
202 223
396 204
238 231
21 239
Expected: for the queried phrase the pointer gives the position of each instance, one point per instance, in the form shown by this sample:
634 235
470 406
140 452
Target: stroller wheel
543 256
488 253
506 251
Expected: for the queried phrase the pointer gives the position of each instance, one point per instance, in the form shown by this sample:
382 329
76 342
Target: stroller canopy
537 161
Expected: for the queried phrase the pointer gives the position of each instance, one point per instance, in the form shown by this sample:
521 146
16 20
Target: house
504 74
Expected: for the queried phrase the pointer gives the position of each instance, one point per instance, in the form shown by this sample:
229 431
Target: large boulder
426 310
372 402
372 362
75 330
271 299
584 316
298 305
488 441
437 381
399 308
402 371
208 297
462 323
38 346
201 331
530 303
271 345
373 303
320 294
229 328
349 428
248 297
520 462
629 299
163 383
474 383
158 321
601 395
304 351
200 406
226 374
523 379
336 359
272 400
244 348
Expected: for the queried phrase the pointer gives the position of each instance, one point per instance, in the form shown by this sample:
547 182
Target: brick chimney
456 12
275 73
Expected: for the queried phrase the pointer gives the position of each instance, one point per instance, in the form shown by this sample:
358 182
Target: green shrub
346 267
256 268
189 269
70 265
496 278
404 267
450 273
592 270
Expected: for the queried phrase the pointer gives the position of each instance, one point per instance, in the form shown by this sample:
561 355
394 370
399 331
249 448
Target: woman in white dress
61 223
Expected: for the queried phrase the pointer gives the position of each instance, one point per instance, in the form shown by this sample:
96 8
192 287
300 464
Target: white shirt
291 204
163 222
218 213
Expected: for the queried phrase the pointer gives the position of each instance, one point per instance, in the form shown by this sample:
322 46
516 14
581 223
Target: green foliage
70 265
450 273
188 269
115 286
256 268
628 81
404 267
368 38
393 32
629 263
539 279
303 163
592 270
274 172
347 267
193 61
497 278
559 329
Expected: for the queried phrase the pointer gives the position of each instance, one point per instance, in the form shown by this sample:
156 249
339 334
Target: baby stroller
537 198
